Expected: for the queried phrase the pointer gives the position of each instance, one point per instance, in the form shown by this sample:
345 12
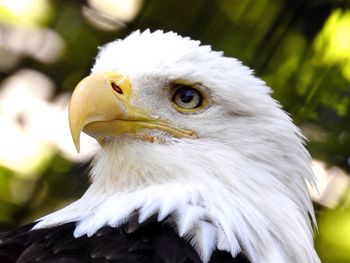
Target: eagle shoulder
150 242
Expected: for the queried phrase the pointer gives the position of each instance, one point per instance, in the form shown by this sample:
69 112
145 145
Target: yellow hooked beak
101 106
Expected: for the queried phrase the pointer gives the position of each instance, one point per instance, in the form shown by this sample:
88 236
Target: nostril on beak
116 88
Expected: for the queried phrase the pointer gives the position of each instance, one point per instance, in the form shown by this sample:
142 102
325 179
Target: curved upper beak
101 106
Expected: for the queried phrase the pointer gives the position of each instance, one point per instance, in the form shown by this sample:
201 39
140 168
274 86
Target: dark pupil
186 96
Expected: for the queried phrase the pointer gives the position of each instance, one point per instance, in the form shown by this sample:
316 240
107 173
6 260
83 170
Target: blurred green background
300 48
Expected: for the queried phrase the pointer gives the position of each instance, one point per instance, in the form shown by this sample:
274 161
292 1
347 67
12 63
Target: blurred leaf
333 242
25 12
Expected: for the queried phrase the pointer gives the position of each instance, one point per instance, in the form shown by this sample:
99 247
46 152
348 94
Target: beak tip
76 141
75 133
77 147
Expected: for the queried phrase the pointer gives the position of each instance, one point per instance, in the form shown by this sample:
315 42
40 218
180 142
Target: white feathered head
190 134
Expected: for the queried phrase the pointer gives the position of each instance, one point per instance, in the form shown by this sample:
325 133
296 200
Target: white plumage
239 186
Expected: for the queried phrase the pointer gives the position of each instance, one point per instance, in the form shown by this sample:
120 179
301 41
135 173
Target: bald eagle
197 164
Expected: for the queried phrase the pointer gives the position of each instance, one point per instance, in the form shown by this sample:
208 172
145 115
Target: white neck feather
218 200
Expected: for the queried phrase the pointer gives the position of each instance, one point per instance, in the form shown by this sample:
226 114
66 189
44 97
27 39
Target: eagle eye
186 98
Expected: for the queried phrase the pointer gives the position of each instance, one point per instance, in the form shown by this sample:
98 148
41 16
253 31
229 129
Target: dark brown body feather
152 242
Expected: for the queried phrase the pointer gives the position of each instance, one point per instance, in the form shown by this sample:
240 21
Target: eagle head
193 138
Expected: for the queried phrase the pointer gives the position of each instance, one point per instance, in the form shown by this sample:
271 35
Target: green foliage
333 243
